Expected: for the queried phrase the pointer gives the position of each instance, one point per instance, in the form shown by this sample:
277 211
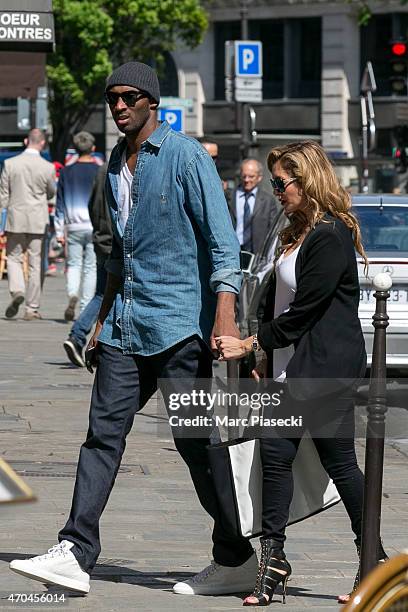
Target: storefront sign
25 31
26 27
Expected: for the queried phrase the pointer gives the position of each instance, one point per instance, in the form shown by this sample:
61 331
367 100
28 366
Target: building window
291 56
8 102
223 31
271 33
169 85
375 43
304 49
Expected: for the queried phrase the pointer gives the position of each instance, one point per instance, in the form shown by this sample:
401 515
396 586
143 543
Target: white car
384 226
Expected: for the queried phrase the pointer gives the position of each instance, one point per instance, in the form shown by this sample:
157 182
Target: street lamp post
377 408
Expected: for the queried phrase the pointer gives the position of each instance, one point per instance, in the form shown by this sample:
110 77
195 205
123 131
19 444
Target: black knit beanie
136 74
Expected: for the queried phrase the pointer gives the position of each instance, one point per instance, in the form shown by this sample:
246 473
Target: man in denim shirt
173 276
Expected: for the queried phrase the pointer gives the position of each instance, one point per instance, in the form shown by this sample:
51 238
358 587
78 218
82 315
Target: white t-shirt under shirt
284 294
125 192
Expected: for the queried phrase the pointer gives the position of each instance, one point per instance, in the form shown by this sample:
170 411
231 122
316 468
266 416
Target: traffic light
401 159
399 67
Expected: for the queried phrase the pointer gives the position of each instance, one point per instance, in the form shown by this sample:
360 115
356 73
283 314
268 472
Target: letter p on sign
248 57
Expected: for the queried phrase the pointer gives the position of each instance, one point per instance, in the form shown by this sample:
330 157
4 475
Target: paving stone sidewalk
154 532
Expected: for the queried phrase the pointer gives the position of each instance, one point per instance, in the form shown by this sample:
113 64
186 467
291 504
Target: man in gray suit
27 183
252 209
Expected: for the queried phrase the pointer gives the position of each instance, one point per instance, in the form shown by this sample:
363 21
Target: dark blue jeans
123 384
87 319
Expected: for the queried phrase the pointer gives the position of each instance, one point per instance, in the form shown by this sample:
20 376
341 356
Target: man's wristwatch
255 344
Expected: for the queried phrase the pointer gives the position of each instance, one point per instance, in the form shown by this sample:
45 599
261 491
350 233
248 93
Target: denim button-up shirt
177 250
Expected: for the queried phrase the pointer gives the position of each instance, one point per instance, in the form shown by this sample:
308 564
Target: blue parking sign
248 58
173 116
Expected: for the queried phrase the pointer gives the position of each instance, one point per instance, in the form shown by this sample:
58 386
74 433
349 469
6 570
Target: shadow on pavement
125 575
160 580
154 580
63 365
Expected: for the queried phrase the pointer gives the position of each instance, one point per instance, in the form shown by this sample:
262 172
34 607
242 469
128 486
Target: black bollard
377 408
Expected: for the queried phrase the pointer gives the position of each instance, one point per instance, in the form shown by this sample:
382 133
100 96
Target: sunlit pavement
153 530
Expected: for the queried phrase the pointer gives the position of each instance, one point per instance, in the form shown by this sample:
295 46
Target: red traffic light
399 48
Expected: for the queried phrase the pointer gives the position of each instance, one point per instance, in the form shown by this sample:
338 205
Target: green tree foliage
364 10
94 35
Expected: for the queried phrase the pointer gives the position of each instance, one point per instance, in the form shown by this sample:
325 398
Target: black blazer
263 217
322 321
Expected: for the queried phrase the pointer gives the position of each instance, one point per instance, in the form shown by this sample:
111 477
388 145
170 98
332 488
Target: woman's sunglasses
128 97
279 184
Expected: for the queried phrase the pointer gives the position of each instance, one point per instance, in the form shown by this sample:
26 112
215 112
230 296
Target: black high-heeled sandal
273 569
343 599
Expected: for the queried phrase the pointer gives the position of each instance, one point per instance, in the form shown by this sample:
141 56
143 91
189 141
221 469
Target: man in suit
252 209
27 183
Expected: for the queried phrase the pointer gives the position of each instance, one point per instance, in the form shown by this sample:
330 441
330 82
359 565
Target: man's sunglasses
128 97
279 184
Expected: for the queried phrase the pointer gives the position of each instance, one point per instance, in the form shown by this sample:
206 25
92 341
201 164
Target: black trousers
333 417
123 384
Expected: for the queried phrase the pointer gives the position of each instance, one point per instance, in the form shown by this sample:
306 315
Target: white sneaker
219 579
57 566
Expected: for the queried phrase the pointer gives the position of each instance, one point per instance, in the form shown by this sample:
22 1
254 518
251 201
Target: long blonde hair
307 162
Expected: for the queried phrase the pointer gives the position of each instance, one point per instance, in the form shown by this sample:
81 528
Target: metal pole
367 87
245 136
360 165
33 106
364 152
242 115
252 131
377 408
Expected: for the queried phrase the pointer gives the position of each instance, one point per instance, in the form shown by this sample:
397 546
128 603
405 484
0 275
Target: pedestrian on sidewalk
73 224
102 241
312 337
173 276
27 184
50 269
212 150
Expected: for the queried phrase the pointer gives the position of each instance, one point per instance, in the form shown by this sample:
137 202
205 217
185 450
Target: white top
284 294
125 192
239 207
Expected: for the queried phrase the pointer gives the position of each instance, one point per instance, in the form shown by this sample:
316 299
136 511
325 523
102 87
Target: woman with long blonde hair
313 342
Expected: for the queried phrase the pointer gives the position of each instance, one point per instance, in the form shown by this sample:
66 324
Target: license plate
398 295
